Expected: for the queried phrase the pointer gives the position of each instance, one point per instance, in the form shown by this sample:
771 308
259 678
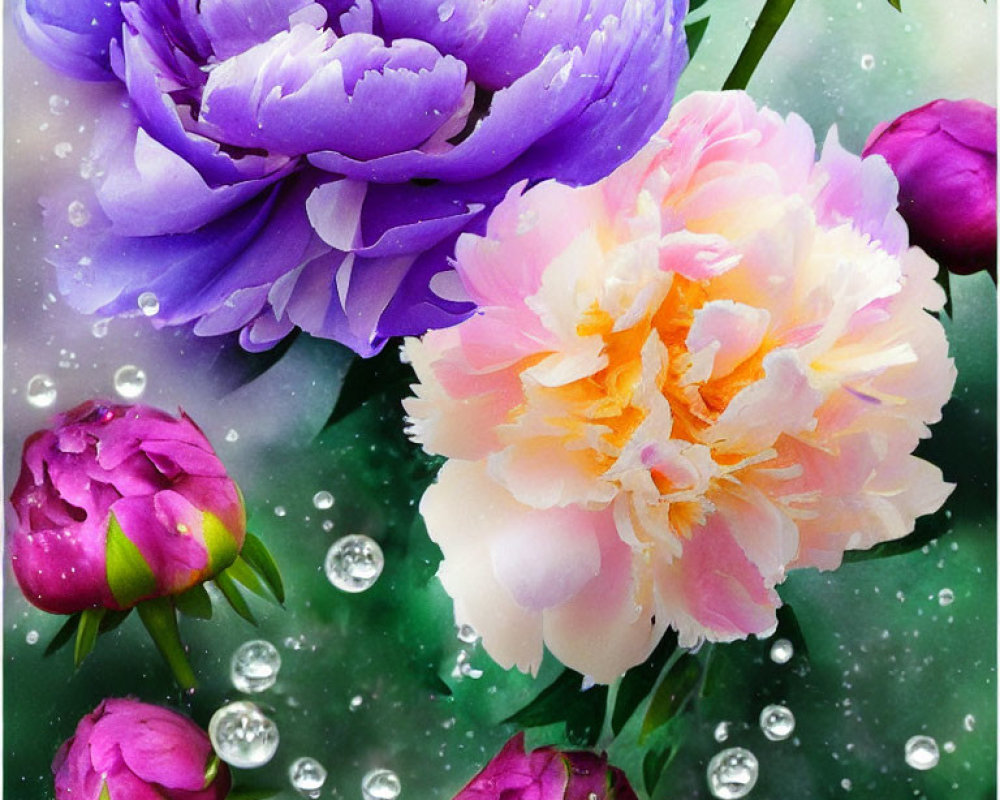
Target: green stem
771 18
160 619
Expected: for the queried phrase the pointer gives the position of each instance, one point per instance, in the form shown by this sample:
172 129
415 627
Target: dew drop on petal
380 784
782 651
77 214
41 391
307 776
354 563
242 735
149 304
323 500
777 722
922 752
130 381
732 773
446 10
254 666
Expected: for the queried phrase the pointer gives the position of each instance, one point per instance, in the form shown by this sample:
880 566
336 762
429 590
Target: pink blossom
709 368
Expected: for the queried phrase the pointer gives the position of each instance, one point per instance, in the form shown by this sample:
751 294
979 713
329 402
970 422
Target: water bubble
279 511
130 381
323 500
732 773
254 666
777 722
62 149
58 104
446 10
100 328
721 732
327 525
31 637
41 391
149 304
922 752
948 747
232 435
242 735
380 784
969 722
846 784
946 597
526 220
356 702
77 214
867 62
467 634
782 651
307 776
354 563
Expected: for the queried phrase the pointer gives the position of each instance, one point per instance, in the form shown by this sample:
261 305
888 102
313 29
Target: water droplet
354 563
323 500
62 149
254 666
467 634
446 10
356 702
232 435
380 784
57 103
279 511
526 220
782 651
77 214
327 525
31 637
149 304
969 722
100 328
732 773
777 722
130 381
307 776
948 747
242 735
922 752
846 784
946 597
41 391
721 732
867 62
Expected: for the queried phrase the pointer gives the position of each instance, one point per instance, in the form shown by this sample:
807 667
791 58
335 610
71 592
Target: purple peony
127 750
117 504
944 155
547 774
267 166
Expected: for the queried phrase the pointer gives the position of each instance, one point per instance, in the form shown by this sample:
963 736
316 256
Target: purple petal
73 36
237 25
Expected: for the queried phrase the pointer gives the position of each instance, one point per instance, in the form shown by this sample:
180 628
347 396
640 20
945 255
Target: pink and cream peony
682 381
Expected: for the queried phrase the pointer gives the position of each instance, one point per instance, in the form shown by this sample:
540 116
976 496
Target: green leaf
585 718
639 681
678 684
232 594
222 548
195 602
86 633
896 4
63 635
160 619
129 575
241 572
104 795
256 554
695 31
252 794
695 5
211 770
770 20
366 377
653 764
552 703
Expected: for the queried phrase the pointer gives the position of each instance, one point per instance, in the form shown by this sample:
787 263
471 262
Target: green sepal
211 770
695 32
241 572
675 688
86 633
195 602
105 794
232 594
160 619
63 635
256 554
220 543
129 575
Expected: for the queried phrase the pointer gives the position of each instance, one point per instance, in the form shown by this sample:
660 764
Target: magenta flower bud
547 774
127 750
117 504
944 155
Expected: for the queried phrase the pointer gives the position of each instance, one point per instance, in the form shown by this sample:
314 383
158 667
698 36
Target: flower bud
125 750
944 155
547 774
116 504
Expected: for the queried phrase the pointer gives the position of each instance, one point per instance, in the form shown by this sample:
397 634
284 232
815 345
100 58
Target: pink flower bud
125 750
116 504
